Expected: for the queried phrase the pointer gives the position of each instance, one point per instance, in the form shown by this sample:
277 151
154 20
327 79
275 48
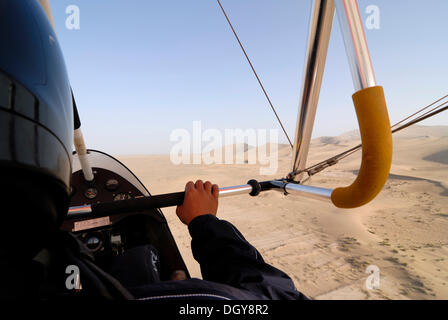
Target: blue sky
142 68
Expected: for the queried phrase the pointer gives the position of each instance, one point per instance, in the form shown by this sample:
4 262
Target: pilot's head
36 128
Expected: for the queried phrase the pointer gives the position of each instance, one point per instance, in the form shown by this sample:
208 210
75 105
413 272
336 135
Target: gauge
112 184
91 193
122 196
93 242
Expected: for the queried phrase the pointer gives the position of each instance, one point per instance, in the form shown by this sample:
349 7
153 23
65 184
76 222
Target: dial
112 184
93 242
122 196
91 193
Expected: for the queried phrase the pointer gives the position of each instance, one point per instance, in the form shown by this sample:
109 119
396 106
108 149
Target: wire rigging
255 72
421 110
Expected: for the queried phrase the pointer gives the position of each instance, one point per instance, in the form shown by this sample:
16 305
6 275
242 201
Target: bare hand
200 199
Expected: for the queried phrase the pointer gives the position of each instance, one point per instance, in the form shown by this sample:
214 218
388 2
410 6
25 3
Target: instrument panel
107 186
99 235
110 236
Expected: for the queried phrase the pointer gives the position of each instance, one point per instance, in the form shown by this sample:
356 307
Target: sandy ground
326 250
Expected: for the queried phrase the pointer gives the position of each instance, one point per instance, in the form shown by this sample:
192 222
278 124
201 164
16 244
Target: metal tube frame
307 191
359 61
235 190
318 40
224 192
283 186
81 150
355 44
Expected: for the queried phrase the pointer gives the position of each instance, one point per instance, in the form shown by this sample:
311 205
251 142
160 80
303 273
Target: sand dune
326 250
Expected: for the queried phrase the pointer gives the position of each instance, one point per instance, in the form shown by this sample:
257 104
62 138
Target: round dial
122 196
112 184
91 193
93 242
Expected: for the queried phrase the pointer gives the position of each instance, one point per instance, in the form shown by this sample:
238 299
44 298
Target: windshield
98 159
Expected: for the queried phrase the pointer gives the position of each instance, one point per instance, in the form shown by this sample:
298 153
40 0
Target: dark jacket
231 268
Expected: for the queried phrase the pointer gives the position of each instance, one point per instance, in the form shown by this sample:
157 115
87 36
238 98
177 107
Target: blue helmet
36 124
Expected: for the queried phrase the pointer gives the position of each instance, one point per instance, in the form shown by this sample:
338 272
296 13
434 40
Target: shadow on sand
439 157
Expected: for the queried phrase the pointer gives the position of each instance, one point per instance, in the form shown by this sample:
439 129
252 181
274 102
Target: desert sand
325 250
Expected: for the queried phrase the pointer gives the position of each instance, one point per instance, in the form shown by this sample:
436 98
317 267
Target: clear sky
142 68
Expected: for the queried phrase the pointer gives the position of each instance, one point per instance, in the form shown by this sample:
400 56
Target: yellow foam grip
376 137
